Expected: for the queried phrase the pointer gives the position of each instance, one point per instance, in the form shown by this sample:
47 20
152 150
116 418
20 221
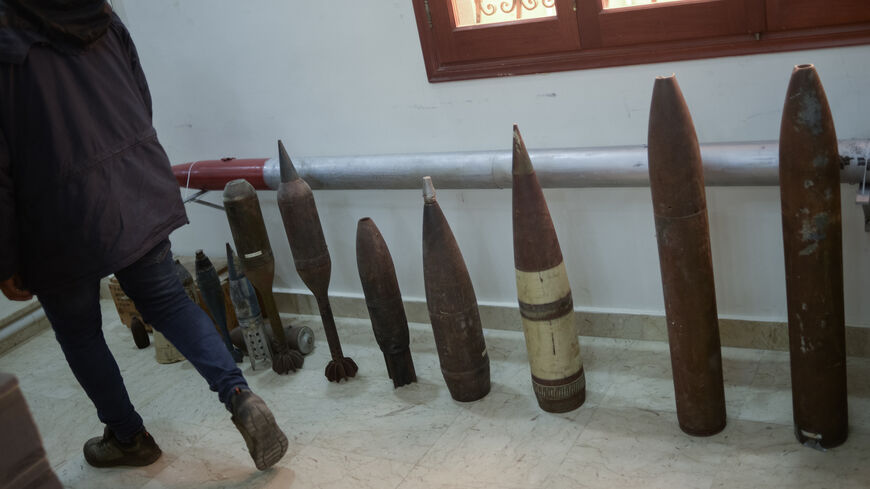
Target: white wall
228 78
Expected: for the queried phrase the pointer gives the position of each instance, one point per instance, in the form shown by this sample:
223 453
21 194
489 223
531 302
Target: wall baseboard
740 333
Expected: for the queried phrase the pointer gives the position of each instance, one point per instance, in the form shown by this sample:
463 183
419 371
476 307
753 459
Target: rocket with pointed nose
452 306
682 230
311 257
544 293
210 286
809 169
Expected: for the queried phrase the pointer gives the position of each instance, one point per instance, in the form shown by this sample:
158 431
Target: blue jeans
151 282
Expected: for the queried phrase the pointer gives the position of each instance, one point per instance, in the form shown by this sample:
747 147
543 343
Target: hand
13 289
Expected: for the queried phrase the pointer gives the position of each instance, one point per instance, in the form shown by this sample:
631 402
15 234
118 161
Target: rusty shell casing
544 293
452 306
809 172
255 253
384 301
682 231
212 293
244 300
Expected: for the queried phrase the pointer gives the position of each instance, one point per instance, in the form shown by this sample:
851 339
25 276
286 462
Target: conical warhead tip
230 265
288 171
428 190
522 162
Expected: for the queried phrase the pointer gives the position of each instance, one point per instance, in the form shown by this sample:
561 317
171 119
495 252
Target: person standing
86 190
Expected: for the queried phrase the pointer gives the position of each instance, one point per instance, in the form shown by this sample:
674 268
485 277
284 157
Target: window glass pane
632 3
480 12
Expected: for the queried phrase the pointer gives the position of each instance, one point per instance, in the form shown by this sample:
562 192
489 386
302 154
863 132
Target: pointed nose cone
288 171
522 163
428 191
676 175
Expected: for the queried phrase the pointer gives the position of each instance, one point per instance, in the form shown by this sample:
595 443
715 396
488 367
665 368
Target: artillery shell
682 231
452 306
210 286
544 293
249 234
384 301
809 171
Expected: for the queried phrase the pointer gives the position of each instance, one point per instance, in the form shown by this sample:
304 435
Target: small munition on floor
140 334
544 293
212 293
299 338
452 306
311 257
255 253
680 211
244 300
809 176
384 302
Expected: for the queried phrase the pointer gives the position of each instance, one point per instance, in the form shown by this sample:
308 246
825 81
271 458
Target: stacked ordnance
255 253
809 164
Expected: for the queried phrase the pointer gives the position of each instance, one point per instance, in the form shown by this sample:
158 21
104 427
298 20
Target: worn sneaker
108 451
266 442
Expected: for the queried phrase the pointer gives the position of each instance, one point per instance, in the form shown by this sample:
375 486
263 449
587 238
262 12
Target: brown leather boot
108 451
266 442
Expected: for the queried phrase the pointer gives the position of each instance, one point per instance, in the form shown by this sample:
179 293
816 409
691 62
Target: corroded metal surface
212 293
452 306
544 294
680 209
311 257
384 301
244 300
255 252
812 237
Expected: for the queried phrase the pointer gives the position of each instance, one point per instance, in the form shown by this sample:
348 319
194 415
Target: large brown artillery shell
255 252
682 230
384 301
210 286
544 293
809 172
311 256
452 306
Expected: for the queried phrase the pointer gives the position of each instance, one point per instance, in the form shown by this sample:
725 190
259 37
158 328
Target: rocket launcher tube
311 257
813 245
210 287
682 232
244 300
544 293
452 306
255 253
384 301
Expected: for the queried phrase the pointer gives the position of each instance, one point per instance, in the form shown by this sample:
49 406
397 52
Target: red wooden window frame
585 35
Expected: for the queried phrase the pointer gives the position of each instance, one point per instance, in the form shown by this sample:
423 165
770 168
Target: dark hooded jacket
85 187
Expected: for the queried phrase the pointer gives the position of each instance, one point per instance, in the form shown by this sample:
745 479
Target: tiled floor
364 434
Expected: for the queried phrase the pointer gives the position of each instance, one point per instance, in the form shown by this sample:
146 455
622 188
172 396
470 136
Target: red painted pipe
215 174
